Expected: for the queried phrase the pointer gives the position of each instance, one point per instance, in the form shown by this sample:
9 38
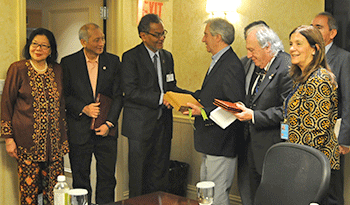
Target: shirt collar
217 56
267 67
151 53
328 46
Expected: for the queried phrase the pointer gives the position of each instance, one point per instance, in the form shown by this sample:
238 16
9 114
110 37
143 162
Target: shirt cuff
161 99
253 121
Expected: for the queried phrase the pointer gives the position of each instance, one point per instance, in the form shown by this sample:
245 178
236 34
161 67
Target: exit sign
149 7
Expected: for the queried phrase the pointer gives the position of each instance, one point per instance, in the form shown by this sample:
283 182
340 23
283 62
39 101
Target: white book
222 117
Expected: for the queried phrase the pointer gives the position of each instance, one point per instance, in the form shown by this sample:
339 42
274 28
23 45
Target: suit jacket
315 100
225 82
267 105
78 92
142 92
339 62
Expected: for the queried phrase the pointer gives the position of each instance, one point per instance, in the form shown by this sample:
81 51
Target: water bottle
60 191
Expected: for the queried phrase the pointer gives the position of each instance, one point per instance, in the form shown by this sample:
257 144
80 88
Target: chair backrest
293 174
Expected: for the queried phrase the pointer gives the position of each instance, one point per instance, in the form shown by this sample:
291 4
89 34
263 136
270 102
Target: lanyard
287 100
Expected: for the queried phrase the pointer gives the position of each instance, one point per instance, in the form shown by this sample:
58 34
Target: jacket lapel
147 61
216 67
164 69
330 55
82 68
249 69
102 67
270 74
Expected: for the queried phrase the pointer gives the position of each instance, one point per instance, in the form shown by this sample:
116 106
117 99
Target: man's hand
245 115
167 104
103 130
92 110
343 150
11 147
195 110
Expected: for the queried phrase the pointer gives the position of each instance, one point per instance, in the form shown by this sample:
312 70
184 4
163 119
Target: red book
105 105
226 105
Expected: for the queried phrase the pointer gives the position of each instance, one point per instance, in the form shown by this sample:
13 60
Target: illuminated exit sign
149 7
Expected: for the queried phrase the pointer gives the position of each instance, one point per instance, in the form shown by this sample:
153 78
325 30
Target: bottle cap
77 192
205 184
61 178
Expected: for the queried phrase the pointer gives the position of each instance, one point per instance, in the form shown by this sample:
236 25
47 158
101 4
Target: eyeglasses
42 46
158 35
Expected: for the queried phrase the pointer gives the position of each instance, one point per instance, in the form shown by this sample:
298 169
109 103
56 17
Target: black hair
52 58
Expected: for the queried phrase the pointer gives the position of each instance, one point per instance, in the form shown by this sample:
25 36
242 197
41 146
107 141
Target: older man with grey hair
267 85
224 80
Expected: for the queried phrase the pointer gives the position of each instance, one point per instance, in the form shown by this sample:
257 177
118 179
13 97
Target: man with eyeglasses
148 73
88 73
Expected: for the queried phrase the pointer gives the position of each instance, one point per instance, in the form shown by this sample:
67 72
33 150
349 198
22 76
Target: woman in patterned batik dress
311 109
33 117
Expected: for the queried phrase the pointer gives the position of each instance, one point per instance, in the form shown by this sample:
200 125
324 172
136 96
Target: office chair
293 174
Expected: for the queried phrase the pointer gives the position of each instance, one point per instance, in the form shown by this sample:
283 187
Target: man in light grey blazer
263 110
339 62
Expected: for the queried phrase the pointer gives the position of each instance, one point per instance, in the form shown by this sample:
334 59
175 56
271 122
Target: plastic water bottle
60 191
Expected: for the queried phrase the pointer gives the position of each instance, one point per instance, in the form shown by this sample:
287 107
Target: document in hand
226 105
179 100
222 117
105 105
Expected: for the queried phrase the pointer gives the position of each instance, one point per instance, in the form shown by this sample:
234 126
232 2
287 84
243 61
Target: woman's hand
11 147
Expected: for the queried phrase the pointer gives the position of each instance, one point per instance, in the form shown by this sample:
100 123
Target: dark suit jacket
142 92
267 105
339 62
78 92
225 82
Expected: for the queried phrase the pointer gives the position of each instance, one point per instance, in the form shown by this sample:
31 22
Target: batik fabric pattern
312 113
33 115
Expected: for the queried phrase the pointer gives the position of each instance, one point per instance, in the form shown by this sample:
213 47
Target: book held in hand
222 117
179 100
105 105
228 106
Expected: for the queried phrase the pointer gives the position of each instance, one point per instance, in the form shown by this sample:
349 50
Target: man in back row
339 62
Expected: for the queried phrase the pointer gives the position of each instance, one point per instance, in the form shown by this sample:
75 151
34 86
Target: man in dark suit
148 73
86 73
224 81
339 62
267 85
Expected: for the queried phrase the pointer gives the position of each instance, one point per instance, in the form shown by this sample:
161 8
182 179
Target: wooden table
157 198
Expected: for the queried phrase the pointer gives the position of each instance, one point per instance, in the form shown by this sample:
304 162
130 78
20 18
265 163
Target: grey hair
222 27
266 36
332 23
84 31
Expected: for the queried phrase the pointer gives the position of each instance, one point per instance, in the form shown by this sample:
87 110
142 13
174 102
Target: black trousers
105 152
335 191
149 162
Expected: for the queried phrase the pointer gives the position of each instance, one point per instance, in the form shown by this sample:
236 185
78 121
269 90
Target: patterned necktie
257 78
261 75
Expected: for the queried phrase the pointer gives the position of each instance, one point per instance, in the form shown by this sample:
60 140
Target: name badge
284 131
170 77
